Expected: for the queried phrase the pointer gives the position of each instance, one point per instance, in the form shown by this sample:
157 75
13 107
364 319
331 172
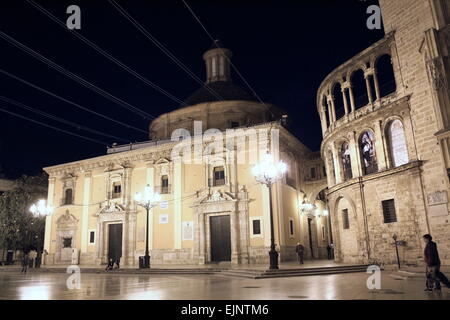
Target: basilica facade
212 209
385 119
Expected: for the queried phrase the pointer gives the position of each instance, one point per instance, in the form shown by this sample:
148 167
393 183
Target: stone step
261 274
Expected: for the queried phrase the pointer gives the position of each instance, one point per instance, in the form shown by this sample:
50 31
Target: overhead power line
69 74
107 55
160 46
70 102
229 60
52 127
67 122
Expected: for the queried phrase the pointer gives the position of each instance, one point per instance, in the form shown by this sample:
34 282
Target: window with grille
345 220
389 214
256 227
67 242
117 190
219 176
164 184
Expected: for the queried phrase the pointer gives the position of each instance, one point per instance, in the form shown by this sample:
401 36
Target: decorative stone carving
67 220
112 207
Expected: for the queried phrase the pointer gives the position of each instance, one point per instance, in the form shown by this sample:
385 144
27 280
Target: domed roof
227 90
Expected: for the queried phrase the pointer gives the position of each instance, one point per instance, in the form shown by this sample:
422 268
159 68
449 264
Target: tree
19 228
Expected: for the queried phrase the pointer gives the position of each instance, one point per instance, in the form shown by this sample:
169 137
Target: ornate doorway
220 238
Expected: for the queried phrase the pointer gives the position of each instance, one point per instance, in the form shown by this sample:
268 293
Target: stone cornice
153 153
413 165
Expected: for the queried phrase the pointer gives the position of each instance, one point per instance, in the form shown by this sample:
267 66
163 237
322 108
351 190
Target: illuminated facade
385 121
212 211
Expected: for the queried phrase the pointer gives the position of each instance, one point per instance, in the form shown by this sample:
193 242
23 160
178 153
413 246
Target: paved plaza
42 286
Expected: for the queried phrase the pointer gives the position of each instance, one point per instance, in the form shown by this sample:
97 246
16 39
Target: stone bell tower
217 60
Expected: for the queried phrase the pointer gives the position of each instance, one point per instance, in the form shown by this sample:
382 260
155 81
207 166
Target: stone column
85 212
178 181
337 163
151 182
330 112
323 120
48 219
234 237
377 88
368 87
379 146
354 154
333 111
344 99
201 238
352 98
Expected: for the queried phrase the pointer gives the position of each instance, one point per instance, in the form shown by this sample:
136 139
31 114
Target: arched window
359 89
397 143
346 162
385 75
368 156
338 101
68 196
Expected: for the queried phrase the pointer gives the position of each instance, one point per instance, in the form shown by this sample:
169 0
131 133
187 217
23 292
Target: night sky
284 49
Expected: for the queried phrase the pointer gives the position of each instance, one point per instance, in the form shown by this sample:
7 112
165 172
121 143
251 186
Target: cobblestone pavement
14 285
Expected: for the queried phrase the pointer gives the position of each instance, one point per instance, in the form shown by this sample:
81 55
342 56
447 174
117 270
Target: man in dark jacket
434 275
299 249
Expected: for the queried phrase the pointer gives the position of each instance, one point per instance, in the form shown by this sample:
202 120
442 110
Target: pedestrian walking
329 251
433 273
332 250
25 262
299 249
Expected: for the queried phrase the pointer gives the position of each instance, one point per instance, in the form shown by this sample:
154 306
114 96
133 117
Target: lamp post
40 209
268 172
148 200
396 249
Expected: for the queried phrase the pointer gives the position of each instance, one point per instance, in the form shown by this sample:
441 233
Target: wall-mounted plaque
188 230
438 197
163 218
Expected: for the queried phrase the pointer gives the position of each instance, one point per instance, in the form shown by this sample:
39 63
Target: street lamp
147 200
268 172
41 208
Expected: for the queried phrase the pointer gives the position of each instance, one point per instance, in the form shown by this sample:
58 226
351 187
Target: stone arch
385 75
347 245
359 88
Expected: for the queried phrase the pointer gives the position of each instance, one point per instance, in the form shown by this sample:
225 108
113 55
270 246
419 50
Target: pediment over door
67 220
217 196
111 208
